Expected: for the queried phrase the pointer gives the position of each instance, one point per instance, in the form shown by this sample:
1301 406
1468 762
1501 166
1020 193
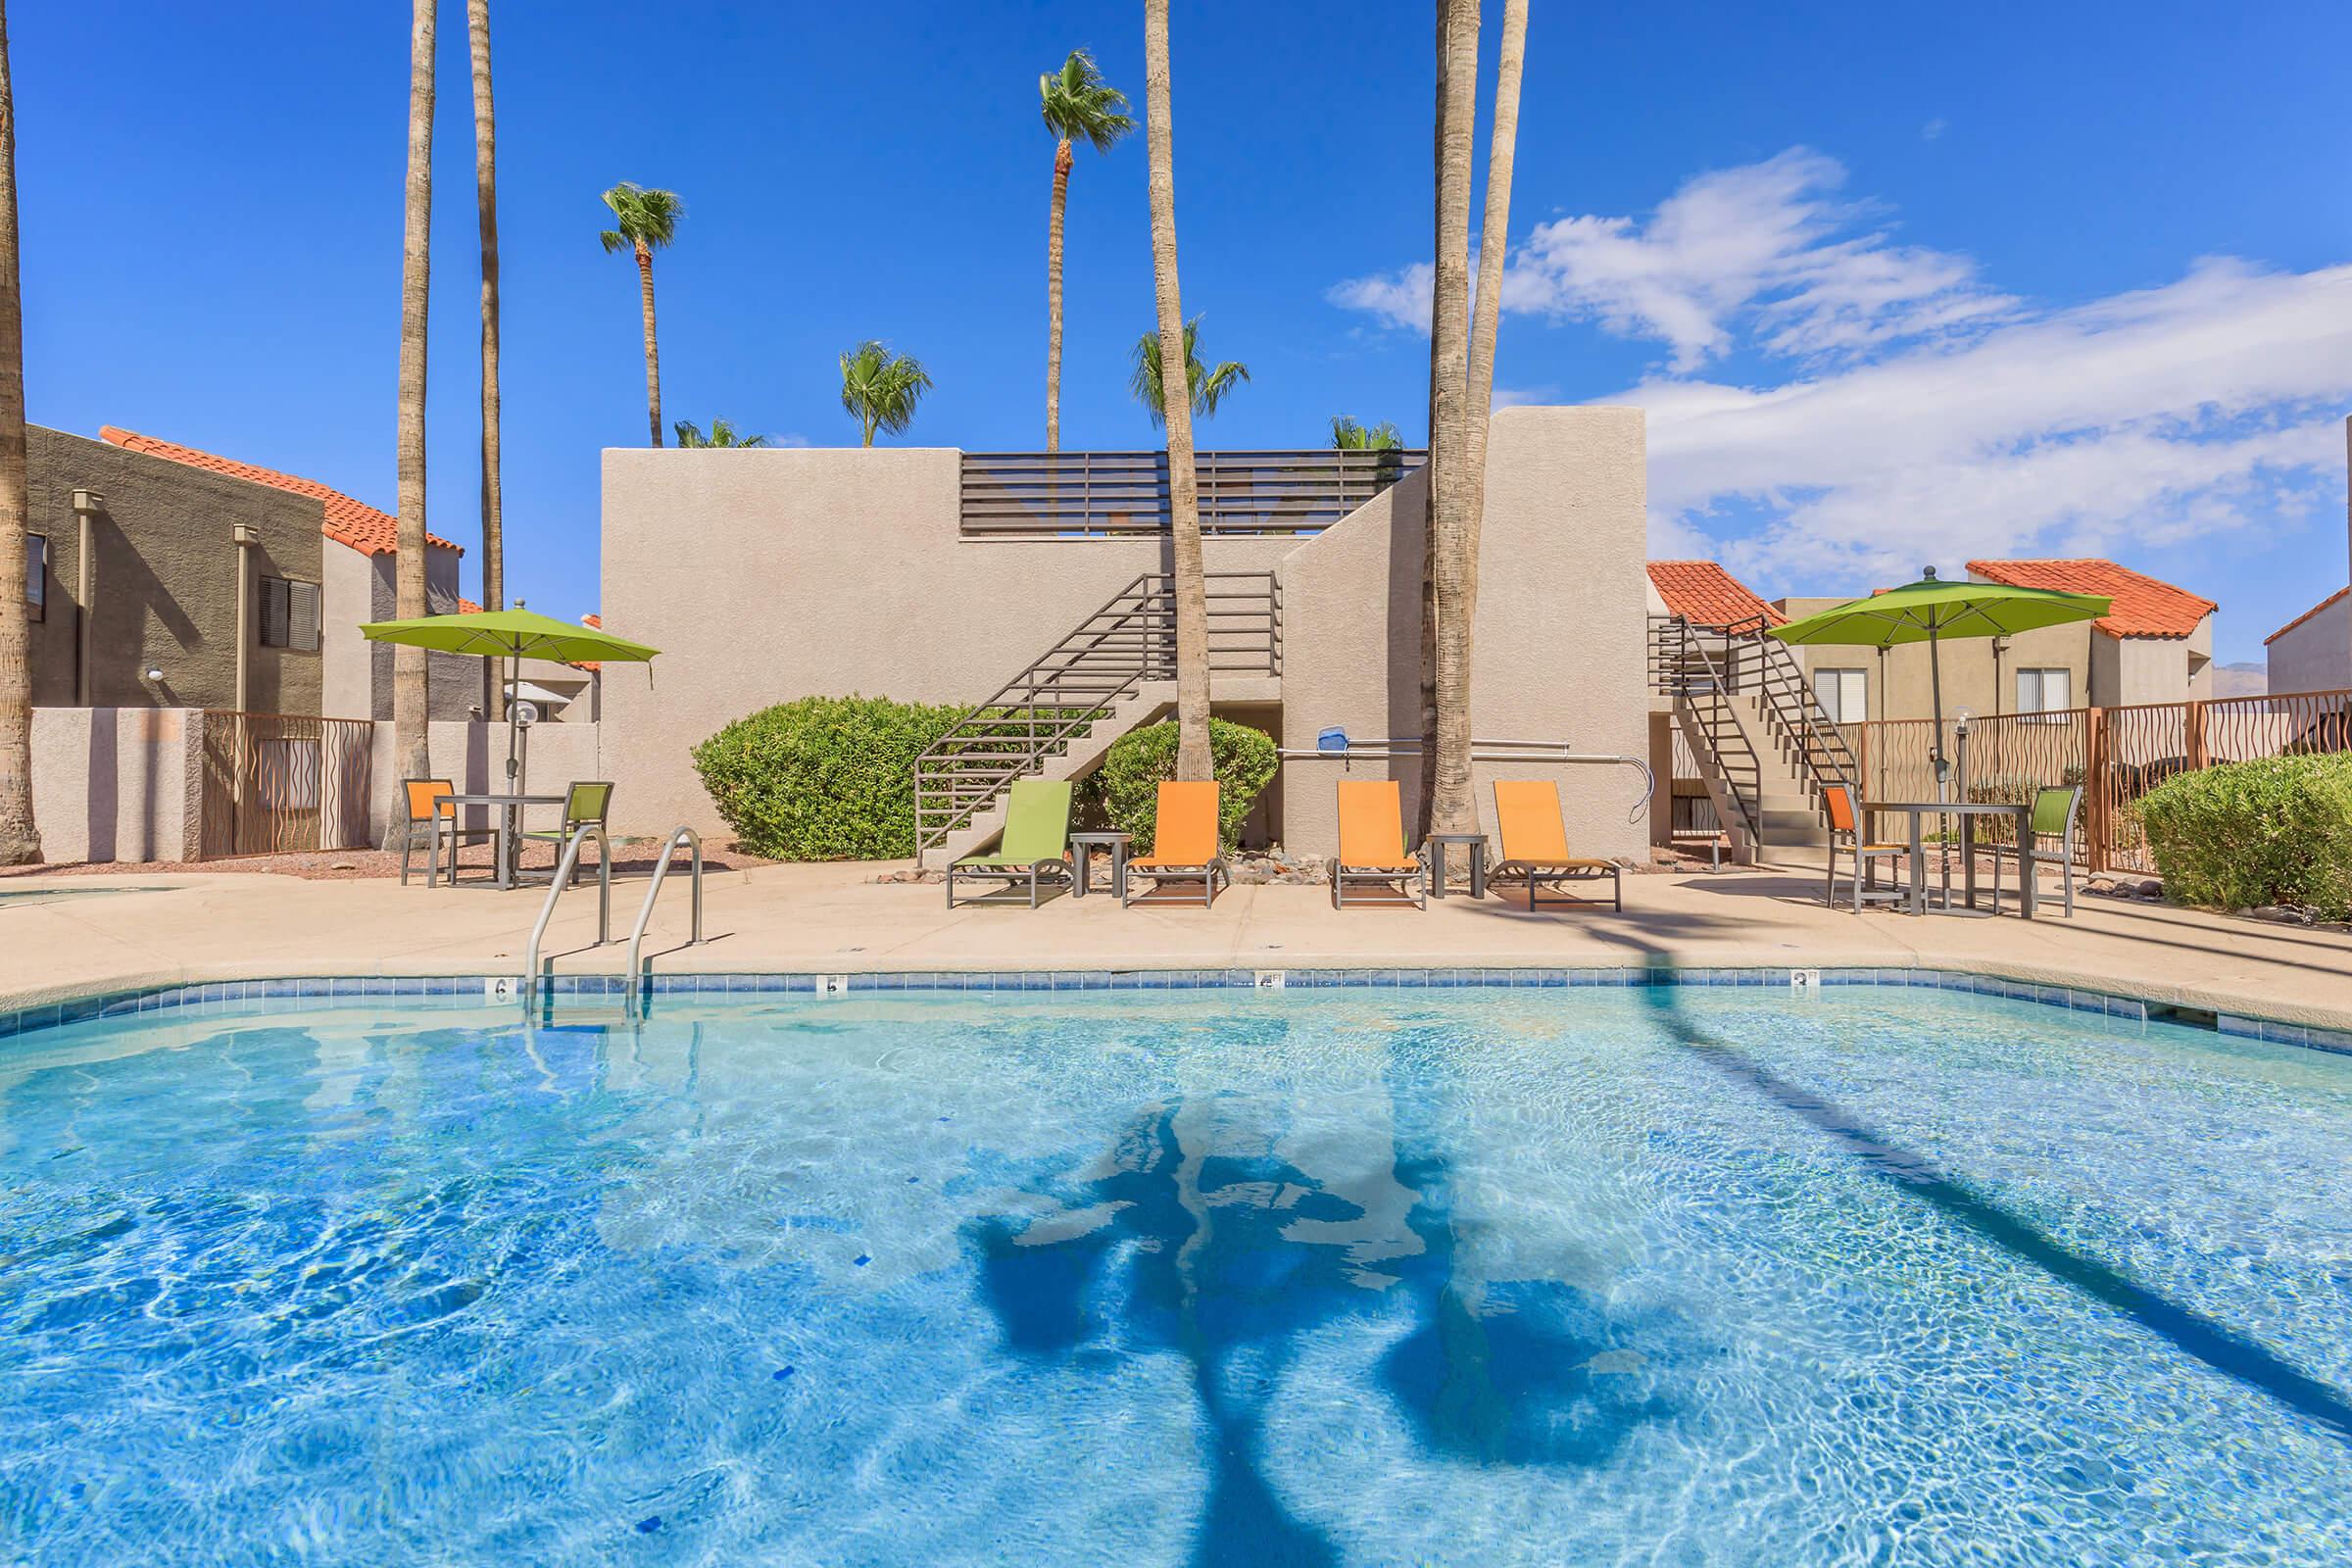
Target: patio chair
1845 833
2056 813
1535 844
1034 849
583 803
432 820
1372 851
1184 846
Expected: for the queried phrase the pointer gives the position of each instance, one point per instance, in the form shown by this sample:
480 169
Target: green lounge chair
1034 846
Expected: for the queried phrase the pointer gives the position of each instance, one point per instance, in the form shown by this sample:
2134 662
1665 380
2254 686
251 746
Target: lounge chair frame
1212 878
1545 873
1174 797
1010 877
1408 884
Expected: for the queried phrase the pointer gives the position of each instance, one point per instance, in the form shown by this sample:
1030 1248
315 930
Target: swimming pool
1657 1274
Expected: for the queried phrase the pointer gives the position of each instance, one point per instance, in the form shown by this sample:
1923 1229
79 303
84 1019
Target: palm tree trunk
652 356
1184 493
409 694
1444 731
485 187
485 180
20 840
1061 198
1454 805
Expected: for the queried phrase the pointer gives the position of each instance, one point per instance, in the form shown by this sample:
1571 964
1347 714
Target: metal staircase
1808 737
1085 691
1692 664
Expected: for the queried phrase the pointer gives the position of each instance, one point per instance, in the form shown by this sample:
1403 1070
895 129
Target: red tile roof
349 521
591 664
2144 606
2332 599
1702 592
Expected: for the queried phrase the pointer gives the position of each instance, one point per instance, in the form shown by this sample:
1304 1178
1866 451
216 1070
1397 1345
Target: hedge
2246 834
824 778
1127 785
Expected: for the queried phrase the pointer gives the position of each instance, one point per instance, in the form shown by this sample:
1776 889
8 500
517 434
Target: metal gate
279 782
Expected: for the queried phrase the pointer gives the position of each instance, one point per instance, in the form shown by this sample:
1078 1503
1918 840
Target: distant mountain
2248 679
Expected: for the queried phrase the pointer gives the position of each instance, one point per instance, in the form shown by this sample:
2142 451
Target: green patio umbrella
1930 611
515 633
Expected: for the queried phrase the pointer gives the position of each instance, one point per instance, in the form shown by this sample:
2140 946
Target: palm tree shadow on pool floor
1165 1245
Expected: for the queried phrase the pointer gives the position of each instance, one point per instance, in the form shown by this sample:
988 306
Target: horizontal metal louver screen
276 610
303 618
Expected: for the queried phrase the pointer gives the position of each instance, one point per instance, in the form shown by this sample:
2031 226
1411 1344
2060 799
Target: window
2044 691
289 613
37 577
1845 695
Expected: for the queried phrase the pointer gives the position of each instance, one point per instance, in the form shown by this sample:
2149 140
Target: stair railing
1100 663
1795 709
547 910
645 912
1683 668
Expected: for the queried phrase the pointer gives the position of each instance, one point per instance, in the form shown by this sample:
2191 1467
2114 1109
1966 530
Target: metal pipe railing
603 903
645 914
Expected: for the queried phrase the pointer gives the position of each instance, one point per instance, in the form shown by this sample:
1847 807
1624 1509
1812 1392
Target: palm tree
1348 436
1077 106
722 434
409 695
19 839
649 222
1454 801
485 194
1208 386
880 389
1444 790
1176 413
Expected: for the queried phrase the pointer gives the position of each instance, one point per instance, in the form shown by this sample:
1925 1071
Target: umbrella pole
1936 691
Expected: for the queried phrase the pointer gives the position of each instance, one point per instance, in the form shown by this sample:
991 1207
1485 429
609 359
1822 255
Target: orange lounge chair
1372 848
1184 846
1535 844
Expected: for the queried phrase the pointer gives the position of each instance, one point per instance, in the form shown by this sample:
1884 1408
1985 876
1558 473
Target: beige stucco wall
115 783
347 682
2317 656
1561 621
765 574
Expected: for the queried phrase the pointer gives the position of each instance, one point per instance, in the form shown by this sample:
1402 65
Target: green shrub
1127 785
824 778
2245 834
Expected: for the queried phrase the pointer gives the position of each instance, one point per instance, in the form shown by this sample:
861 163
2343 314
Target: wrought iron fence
2116 754
1103 495
280 782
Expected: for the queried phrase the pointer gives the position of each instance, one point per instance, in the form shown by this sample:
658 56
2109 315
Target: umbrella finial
1927 573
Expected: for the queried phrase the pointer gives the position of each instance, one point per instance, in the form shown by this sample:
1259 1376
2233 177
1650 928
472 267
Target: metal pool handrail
645 914
603 903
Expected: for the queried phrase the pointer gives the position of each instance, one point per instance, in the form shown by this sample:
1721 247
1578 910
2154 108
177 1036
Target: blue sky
1897 285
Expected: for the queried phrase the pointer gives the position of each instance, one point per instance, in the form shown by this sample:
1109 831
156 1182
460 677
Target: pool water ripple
1656 1276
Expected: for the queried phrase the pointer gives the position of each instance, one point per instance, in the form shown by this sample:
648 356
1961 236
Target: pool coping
221 998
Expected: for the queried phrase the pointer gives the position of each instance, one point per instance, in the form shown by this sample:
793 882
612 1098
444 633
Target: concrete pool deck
155 930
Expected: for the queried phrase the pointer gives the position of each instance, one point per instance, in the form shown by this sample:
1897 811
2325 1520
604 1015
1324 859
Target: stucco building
357 575
767 575
149 584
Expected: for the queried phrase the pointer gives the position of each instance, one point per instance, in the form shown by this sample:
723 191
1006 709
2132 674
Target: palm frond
1077 105
880 389
646 217
1348 436
1204 389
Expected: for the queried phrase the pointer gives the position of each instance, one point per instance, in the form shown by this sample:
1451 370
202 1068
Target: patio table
509 832
1082 852
1966 811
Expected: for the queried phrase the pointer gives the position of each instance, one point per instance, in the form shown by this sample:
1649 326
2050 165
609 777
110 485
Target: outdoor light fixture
155 672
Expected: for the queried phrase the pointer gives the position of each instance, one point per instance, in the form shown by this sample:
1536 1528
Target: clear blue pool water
1655 1276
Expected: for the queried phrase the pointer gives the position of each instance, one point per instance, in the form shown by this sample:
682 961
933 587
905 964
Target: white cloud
1768 246
1514 397
1922 415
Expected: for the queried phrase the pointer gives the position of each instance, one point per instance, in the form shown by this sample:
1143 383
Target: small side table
1082 853
1477 843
